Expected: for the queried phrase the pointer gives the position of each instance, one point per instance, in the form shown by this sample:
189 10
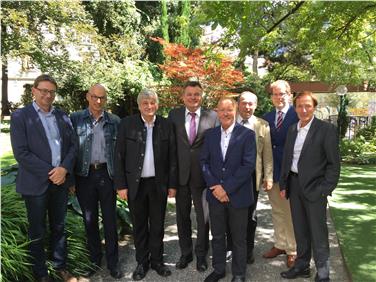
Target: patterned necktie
244 121
279 119
192 128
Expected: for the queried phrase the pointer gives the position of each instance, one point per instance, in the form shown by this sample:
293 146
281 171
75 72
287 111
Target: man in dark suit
310 172
145 174
279 120
97 130
228 160
44 145
190 123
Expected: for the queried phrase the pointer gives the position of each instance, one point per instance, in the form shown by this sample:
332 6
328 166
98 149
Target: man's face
247 106
96 98
148 108
305 109
44 94
280 97
192 98
226 113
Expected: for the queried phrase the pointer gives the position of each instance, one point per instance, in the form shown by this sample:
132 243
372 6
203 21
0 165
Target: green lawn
7 159
353 209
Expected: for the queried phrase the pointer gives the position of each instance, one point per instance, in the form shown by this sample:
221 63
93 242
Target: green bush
358 151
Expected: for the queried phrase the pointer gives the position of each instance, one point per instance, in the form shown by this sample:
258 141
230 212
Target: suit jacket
319 162
234 173
189 169
130 150
279 137
264 158
32 151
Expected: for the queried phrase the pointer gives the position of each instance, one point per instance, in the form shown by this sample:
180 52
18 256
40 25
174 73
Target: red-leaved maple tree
214 71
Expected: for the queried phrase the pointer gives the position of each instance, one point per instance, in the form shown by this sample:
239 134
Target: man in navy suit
228 159
44 146
280 120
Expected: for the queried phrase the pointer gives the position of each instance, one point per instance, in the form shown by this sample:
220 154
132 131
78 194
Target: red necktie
279 119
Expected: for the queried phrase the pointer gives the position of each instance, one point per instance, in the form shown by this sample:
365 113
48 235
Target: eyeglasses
95 98
279 95
44 91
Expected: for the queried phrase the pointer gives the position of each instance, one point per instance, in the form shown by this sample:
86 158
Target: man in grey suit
310 172
190 123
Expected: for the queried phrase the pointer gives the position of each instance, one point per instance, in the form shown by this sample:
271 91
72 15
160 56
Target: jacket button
142 155
139 167
136 180
274 146
223 169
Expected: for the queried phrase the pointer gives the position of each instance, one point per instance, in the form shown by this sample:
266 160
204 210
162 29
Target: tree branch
293 10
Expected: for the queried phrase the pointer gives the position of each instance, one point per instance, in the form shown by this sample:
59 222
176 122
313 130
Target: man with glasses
45 146
96 130
280 120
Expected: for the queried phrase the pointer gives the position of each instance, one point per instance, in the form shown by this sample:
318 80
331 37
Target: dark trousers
310 228
54 203
221 216
148 215
98 187
184 197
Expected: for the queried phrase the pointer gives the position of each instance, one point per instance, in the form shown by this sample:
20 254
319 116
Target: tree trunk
255 63
4 89
164 21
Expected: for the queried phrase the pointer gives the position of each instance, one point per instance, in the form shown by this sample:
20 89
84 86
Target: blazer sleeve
209 177
247 166
267 155
333 166
21 150
120 179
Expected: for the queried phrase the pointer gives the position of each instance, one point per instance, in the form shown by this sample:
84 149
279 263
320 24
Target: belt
98 166
147 178
293 173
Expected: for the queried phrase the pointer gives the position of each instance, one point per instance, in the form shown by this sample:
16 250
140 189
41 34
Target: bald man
97 130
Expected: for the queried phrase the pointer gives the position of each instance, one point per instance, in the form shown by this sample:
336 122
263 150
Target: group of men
217 160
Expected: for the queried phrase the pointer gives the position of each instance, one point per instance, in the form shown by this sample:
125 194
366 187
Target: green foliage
362 149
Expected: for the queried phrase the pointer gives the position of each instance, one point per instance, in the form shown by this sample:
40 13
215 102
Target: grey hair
147 94
281 83
248 93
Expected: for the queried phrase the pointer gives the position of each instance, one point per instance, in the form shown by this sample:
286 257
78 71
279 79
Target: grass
353 209
7 159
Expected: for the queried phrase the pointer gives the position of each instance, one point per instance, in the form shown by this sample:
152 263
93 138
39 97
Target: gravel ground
261 270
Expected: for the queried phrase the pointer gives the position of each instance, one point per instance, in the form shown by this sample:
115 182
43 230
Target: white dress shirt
148 168
250 122
188 119
299 142
225 139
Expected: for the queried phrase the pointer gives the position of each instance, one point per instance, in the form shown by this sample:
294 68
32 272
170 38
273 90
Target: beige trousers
284 237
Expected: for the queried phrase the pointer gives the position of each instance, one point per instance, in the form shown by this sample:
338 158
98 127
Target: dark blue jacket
279 137
33 153
82 124
235 172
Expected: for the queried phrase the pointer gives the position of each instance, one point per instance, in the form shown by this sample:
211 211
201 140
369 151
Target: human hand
123 194
57 175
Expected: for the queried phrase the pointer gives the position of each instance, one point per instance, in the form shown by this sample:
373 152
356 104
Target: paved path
262 270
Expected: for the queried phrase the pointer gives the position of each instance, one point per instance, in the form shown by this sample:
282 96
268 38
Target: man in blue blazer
279 121
44 146
228 159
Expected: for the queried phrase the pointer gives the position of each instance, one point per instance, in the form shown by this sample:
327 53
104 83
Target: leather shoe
293 273
66 276
250 258
116 273
273 252
161 269
201 264
183 261
140 272
44 279
214 277
317 279
238 278
290 260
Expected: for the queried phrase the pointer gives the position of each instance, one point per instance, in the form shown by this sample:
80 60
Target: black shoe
140 272
44 279
293 273
183 261
214 277
201 264
116 273
317 279
238 278
161 269
250 258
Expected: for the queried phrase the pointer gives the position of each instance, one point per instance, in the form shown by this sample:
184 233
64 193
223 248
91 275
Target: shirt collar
250 120
228 130
39 109
148 124
100 118
308 125
198 112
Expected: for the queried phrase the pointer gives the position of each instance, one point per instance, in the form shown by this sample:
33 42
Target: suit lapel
231 143
38 124
181 121
309 136
201 122
217 141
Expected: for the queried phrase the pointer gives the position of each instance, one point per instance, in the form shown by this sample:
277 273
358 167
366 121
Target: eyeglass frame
95 97
45 91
